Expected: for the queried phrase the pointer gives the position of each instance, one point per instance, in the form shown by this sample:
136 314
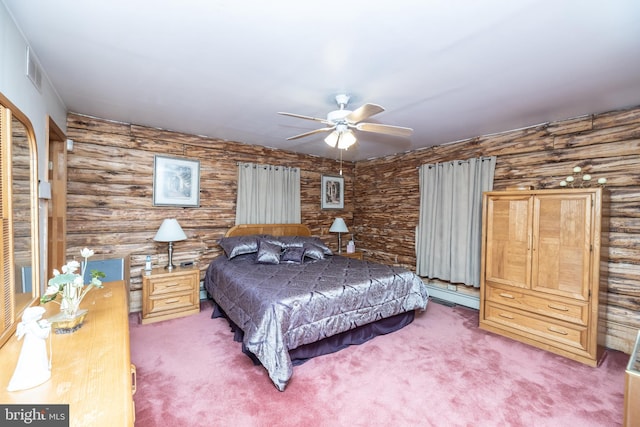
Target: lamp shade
339 226
170 231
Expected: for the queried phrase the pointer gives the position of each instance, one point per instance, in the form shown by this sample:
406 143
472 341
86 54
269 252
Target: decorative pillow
300 241
268 253
293 255
313 251
238 245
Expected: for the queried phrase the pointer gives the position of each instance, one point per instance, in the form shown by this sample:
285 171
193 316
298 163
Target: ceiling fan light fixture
332 139
346 140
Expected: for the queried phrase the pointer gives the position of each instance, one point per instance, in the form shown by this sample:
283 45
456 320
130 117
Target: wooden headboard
273 229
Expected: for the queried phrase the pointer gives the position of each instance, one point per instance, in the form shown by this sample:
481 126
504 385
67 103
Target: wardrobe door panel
562 239
508 240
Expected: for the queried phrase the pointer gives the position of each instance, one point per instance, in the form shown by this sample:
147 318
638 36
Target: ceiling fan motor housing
338 116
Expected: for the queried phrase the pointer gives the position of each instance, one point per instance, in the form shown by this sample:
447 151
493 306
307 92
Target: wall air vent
33 69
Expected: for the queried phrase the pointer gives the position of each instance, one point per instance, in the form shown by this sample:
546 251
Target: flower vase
70 286
70 318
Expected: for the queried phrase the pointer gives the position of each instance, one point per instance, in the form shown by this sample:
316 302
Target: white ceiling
450 69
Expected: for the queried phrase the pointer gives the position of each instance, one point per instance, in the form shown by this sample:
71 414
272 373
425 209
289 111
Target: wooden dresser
91 367
540 272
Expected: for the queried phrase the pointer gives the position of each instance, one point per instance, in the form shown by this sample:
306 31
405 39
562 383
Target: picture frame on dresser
176 182
332 192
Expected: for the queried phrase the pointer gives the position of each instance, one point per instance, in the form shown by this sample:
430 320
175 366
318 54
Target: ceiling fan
342 122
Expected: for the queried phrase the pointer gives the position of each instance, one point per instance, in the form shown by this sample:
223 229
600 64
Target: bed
289 298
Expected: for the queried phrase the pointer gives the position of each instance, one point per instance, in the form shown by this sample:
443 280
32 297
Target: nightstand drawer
172 302
356 255
171 284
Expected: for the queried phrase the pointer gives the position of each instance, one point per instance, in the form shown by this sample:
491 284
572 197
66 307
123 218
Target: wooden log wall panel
110 190
111 174
604 145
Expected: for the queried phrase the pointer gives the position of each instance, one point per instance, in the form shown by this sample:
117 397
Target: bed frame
272 229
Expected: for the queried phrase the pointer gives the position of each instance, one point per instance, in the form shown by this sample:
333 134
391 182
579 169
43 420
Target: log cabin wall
604 145
110 193
111 172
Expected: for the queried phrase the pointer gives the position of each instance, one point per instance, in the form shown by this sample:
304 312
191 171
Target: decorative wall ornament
579 179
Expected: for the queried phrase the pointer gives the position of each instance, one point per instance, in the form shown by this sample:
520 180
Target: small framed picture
332 193
176 182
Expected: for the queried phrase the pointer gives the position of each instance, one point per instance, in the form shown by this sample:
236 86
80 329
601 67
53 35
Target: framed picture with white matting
332 193
176 182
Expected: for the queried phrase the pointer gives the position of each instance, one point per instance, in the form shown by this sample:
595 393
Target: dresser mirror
18 191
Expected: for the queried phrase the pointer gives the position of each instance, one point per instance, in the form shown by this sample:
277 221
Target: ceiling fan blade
385 129
300 116
364 112
313 132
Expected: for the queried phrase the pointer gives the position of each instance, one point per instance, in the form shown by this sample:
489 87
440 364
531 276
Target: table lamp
170 231
339 227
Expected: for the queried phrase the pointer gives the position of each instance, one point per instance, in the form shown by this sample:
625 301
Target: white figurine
33 366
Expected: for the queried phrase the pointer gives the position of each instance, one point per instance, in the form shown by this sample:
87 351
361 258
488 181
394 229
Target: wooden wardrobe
541 269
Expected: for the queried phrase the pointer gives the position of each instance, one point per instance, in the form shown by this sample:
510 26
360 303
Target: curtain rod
254 165
482 159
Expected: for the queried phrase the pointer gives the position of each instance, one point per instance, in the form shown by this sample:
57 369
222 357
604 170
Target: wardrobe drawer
570 312
574 336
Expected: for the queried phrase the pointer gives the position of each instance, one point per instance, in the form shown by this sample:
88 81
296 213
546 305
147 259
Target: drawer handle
171 285
134 378
506 316
172 301
503 295
558 307
557 331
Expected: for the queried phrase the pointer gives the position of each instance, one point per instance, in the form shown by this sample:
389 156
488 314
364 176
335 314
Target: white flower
52 290
86 253
71 267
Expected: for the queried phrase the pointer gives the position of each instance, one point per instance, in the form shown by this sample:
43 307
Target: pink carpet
439 371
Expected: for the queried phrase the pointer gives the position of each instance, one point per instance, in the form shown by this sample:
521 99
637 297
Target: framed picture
332 193
176 182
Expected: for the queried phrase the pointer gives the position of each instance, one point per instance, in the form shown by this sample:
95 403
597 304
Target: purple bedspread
281 307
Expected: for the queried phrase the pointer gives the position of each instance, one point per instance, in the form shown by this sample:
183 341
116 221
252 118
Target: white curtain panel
449 232
268 194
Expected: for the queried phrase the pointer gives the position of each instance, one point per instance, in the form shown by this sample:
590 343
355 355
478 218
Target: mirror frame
8 274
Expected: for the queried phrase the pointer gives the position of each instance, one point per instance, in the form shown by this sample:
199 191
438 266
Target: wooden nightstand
169 294
356 255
